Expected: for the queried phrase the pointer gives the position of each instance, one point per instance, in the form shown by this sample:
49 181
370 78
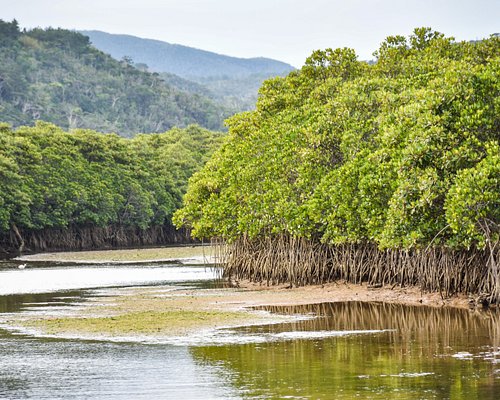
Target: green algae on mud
126 255
153 312
171 322
162 311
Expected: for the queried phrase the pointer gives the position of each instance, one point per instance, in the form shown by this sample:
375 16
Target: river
348 350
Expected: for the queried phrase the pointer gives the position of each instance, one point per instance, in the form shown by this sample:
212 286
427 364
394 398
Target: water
423 353
348 351
45 280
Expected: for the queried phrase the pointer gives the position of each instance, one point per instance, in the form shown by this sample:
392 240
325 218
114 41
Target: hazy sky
287 30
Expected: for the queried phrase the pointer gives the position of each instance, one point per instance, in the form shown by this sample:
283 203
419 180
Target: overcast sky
286 30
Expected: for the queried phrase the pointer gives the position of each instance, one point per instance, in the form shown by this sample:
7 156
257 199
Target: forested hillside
84 189
55 75
231 81
186 62
386 173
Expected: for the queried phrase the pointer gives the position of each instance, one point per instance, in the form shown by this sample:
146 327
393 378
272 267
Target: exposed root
298 261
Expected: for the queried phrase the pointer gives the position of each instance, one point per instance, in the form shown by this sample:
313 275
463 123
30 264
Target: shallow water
423 353
55 369
342 351
44 280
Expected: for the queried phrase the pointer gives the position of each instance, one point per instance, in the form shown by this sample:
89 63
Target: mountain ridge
184 61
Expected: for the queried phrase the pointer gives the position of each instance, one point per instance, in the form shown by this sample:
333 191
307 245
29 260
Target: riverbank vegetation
386 173
83 189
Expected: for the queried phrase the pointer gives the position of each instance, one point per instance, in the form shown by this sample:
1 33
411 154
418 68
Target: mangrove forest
384 172
84 189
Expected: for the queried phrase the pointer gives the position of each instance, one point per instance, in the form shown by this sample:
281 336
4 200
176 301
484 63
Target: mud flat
191 254
343 291
166 311
162 312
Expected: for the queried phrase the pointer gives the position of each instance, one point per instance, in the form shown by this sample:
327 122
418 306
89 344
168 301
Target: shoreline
166 312
280 294
345 291
196 254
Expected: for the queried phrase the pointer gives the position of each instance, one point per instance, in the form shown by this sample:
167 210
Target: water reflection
19 302
404 353
422 357
428 325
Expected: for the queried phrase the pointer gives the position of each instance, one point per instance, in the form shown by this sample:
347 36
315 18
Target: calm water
349 351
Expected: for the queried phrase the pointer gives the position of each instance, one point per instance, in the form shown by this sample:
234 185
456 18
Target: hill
57 76
186 62
232 81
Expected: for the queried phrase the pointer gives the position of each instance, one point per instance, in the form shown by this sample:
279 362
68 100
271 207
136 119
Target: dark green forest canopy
55 75
50 178
403 153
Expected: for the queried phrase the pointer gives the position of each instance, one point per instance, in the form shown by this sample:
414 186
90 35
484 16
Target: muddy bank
344 291
196 254
147 312
299 261
254 294
162 312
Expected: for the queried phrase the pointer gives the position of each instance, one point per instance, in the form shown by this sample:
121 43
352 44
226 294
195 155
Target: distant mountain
233 82
57 76
186 62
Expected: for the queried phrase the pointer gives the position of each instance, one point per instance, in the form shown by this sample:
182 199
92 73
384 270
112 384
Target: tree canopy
403 152
50 178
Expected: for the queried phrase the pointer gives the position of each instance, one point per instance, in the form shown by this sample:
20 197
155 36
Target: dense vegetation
230 81
387 173
55 75
83 180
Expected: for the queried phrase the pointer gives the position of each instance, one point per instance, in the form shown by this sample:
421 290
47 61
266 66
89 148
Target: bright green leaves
341 63
10 194
351 152
414 212
473 201
423 38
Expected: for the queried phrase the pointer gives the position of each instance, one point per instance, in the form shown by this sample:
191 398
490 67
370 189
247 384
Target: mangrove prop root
299 261
90 237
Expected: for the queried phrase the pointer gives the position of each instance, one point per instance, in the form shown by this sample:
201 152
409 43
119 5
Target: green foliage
473 201
55 75
402 153
52 178
9 31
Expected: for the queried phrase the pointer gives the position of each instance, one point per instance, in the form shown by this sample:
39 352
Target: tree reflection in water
426 353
